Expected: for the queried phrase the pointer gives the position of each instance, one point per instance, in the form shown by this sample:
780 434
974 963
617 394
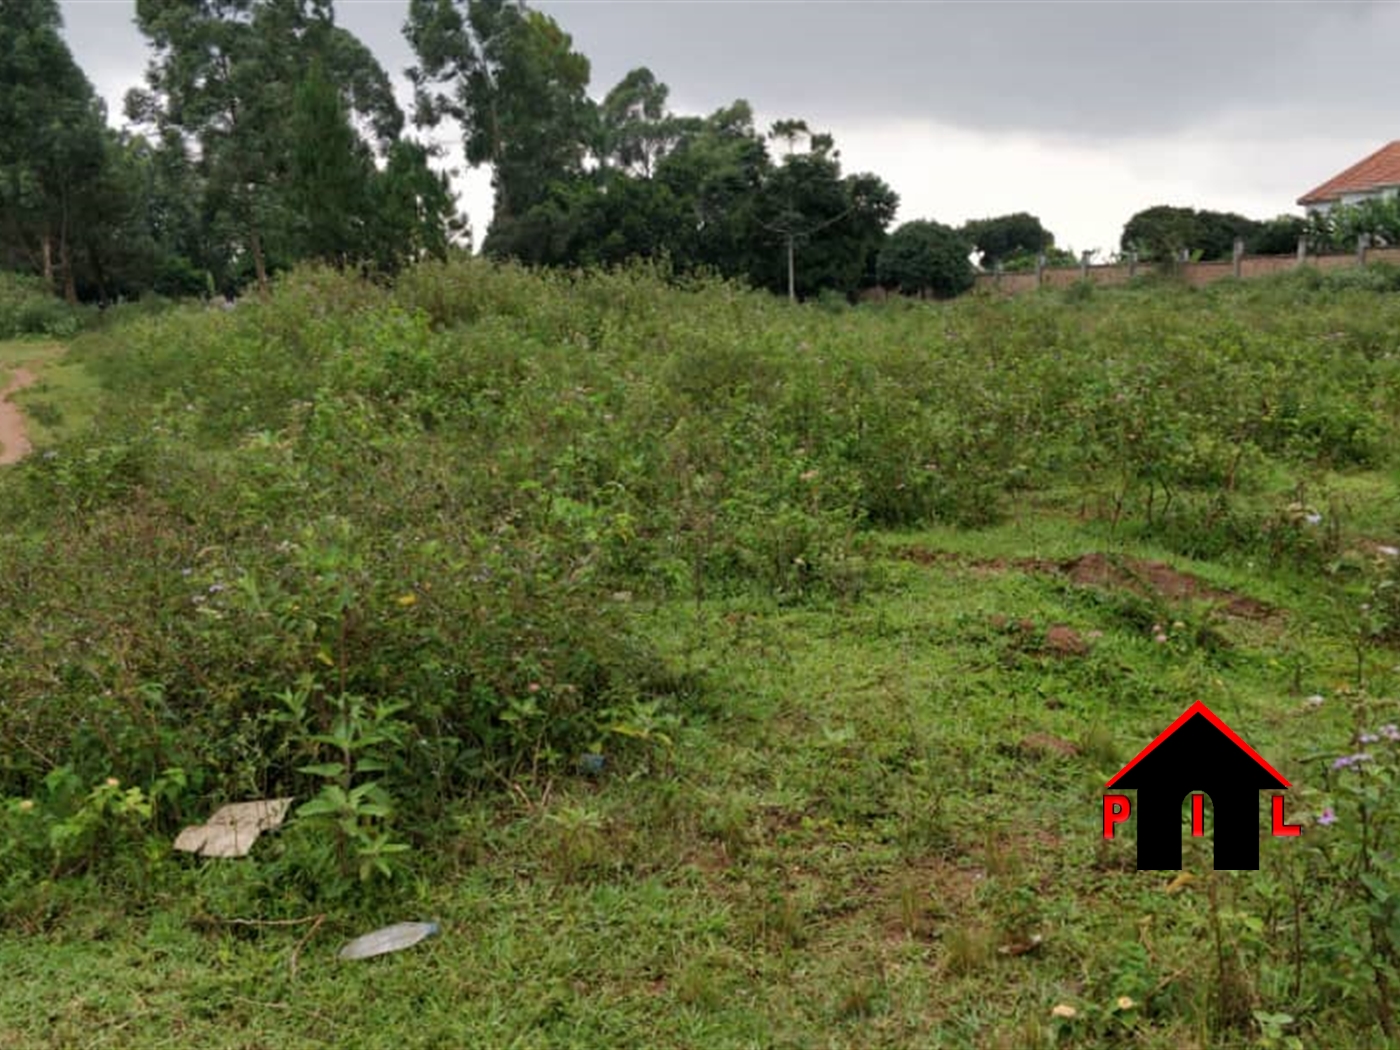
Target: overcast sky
1081 113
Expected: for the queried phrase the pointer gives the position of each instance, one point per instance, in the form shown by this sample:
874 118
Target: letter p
1116 809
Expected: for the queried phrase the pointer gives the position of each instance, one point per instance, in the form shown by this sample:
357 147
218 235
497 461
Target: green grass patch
715 672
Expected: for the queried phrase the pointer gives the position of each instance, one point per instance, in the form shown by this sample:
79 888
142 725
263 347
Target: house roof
1209 717
1378 171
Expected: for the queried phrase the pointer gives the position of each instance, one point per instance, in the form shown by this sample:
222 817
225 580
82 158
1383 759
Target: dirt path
14 439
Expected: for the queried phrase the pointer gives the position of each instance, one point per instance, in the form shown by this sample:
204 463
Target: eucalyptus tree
231 78
52 149
510 78
636 130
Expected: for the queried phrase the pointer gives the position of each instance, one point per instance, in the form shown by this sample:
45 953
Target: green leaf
332 800
323 769
1377 886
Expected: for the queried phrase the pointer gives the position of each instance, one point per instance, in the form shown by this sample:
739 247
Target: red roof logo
1210 716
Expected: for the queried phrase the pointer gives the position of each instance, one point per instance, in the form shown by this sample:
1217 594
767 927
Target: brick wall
1197 273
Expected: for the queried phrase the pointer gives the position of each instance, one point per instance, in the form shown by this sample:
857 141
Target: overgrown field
716 672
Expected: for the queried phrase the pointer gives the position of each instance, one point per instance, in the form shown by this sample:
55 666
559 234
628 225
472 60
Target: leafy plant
352 804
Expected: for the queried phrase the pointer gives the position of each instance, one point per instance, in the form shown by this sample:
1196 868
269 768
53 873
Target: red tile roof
1379 170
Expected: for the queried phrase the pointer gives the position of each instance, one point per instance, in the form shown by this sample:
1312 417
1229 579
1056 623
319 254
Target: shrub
27 307
443 500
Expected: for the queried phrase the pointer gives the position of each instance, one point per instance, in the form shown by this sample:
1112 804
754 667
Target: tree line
265 134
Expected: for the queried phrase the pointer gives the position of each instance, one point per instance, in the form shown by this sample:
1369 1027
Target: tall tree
717 170
225 77
636 129
190 258
1162 233
413 208
330 172
52 150
1277 236
510 78
835 224
117 251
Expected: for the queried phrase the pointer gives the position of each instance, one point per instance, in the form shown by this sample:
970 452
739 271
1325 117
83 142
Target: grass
64 398
849 837
855 706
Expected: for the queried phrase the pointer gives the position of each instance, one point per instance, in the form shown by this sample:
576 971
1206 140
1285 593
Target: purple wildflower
1350 760
1326 817
1367 738
1391 732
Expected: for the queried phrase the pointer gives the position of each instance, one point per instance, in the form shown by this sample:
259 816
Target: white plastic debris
233 829
393 938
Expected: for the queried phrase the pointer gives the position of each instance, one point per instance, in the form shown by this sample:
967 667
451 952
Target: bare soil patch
1155 577
1147 578
14 437
1065 641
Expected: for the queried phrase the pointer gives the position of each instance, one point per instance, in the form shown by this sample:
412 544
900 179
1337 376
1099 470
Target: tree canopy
265 133
287 114
54 149
1163 232
926 258
1004 238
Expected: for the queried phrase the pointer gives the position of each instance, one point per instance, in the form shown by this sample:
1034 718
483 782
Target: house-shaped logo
1196 753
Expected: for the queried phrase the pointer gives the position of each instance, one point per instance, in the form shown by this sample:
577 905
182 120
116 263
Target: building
1378 176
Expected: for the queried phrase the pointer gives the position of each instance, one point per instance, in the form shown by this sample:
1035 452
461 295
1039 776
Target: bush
28 307
443 500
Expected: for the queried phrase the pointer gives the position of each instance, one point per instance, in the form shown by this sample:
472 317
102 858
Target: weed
969 949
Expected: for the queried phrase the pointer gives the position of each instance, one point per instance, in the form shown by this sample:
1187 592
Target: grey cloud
1240 104
1095 70
1090 69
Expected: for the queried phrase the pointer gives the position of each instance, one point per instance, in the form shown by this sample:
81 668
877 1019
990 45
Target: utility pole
792 271
790 232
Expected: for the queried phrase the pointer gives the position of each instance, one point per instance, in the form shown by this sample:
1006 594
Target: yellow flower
26 805
1125 1003
113 782
406 599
